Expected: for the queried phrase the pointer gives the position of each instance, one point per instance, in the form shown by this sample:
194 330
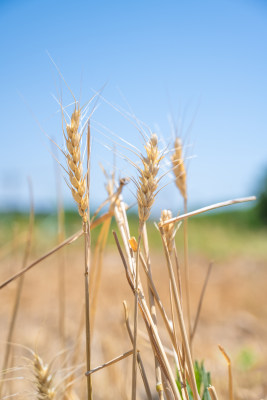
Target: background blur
200 66
192 68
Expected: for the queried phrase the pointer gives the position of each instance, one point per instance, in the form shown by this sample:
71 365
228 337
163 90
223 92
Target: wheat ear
74 161
43 379
148 183
179 167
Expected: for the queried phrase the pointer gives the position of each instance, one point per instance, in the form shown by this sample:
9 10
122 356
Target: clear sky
202 62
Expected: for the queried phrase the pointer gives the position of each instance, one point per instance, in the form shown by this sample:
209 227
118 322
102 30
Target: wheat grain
43 379
179 167
74 162
148 183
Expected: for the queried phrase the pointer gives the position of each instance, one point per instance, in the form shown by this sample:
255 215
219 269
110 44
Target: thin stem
96 268
108 363
139 359
208 208
71 239
71 379
158 347
187 278
181 370
175 348
201 301
61 274
153 313
159 303
212 392
101 219
87 248
134 367
178 271
230 377
87 308
180 319
153 334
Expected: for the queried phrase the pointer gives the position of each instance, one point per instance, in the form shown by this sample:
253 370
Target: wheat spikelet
43 379
148 183
179 168
74 161
168 230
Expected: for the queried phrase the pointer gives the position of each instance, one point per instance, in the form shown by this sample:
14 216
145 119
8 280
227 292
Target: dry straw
230 377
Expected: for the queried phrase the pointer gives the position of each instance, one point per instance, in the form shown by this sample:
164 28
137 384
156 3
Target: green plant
202 379
262 200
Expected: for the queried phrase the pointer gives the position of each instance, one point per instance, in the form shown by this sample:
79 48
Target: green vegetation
246 358
261 207
202 379
218 235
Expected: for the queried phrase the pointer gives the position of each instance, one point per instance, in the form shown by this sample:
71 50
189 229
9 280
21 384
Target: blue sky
202 62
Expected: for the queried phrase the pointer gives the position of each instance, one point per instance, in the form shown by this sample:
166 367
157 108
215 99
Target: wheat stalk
139 359
212 392
179 312
230 377
79 186
146 190
208 208
181 183
156 343
69 240
159 386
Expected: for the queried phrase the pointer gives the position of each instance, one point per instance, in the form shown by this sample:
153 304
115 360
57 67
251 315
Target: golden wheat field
147 304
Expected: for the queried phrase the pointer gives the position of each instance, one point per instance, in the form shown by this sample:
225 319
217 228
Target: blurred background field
220 235
234 310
